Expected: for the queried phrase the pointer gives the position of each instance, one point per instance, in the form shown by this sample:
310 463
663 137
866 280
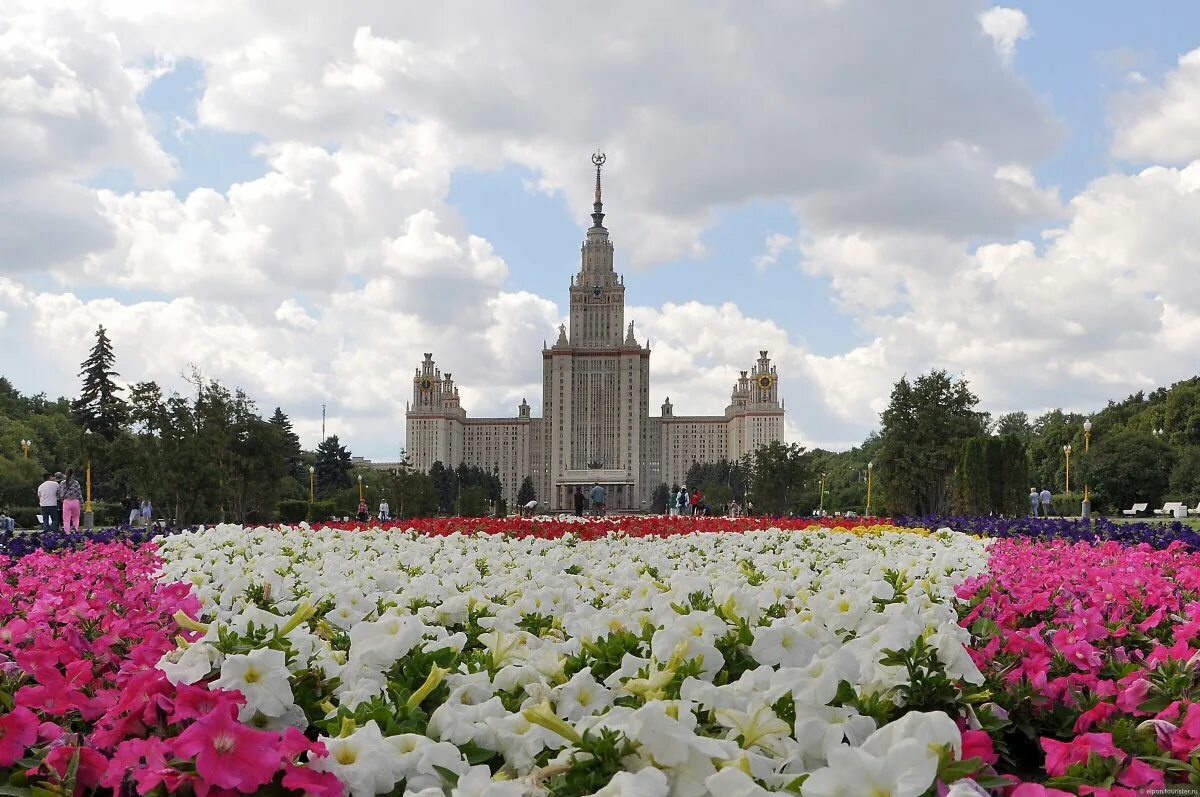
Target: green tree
472 502
1185 476
923 430
333 466
658 498
100 406
445 484
526 492
780 471
1014 423
973 476
1127 467
1014 476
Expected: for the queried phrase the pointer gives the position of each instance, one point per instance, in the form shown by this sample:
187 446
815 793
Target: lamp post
360 489
1067 454
1087 439
312 484
25 446
87 502
822 490
870 467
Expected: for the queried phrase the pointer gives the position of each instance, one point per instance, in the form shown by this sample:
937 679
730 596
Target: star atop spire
598 206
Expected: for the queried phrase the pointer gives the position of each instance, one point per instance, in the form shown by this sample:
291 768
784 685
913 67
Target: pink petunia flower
92 764
18 730
229 754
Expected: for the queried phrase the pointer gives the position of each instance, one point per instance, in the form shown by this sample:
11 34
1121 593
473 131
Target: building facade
596 425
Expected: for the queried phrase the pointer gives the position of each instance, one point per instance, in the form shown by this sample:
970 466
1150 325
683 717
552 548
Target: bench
1137 510
1168 509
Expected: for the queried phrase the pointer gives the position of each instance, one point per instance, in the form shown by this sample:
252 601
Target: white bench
1137 510
1169 508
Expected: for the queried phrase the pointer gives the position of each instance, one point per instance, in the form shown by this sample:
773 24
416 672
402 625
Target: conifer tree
333 465
526 492
100 406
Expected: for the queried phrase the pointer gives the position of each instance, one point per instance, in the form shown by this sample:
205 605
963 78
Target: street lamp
870 467
1087 439
1067 454
360 489
312 484
87 503
822 489
25 445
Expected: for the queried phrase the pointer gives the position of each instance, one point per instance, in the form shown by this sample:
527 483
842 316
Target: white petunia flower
262 676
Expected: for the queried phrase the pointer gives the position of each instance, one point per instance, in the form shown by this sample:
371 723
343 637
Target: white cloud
326 278
1161 123
1005 26
774 246
817 102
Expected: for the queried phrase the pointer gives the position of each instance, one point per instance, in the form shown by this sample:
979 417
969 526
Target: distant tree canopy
921 441
208 453
1127 467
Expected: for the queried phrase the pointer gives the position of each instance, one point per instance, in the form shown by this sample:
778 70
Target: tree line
209 453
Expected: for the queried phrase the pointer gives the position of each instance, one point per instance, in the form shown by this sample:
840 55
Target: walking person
133 508
682 506
598 496
72 501
695 500
1046 499
147 512
362 512
48 501
1034 500
579 501
385 511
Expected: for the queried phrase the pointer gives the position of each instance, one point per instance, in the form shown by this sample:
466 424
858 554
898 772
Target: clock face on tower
596 291
764 381
426 383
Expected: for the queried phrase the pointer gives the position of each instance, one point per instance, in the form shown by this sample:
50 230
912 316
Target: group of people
681 502
597 497
1042 499
60 499
385 512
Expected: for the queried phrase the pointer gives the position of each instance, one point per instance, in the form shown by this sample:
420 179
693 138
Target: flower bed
1157 534
1091 649
592 527
492 664
588 661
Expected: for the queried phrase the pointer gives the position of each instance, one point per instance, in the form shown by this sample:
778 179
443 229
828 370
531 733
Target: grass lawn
1194 522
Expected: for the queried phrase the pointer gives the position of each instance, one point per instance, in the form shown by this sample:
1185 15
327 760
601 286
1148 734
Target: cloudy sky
301 198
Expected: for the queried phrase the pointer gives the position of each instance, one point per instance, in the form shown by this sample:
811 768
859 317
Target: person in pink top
72 498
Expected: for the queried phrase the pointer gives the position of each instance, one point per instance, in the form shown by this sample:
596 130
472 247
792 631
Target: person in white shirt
385 511
47 493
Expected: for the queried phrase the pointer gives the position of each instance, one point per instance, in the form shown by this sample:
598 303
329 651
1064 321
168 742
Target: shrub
322 510
1067 504
292 511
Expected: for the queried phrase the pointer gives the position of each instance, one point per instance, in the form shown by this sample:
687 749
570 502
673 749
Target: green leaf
14 791
449 776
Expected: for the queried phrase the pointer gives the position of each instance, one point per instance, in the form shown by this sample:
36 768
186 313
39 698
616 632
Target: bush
323 510
1067 505
292 511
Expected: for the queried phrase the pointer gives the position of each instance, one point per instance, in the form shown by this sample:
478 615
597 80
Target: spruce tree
291 444
100 406
526 492
333 465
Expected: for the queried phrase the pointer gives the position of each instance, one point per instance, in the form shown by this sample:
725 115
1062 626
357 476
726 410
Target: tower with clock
596 426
